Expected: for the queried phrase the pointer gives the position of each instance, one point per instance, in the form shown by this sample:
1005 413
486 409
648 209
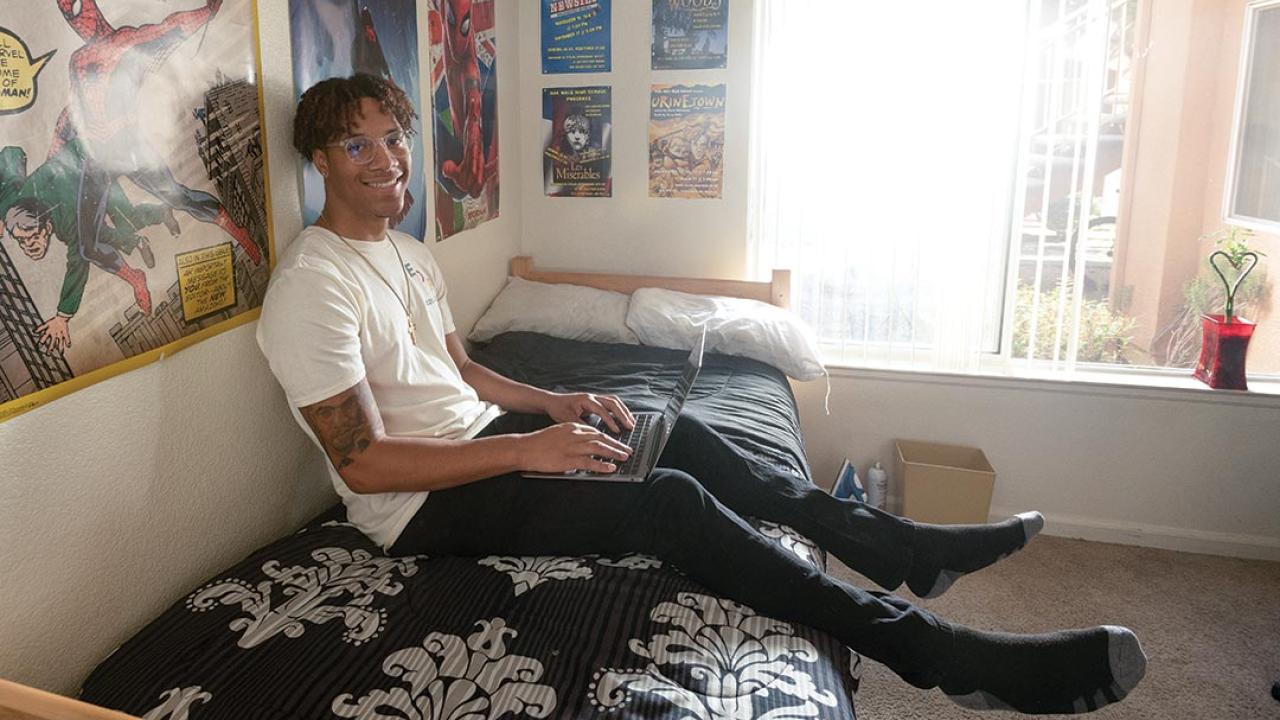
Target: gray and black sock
943 553
1067 672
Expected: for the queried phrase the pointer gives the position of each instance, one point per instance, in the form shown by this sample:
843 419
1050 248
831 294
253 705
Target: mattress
322 624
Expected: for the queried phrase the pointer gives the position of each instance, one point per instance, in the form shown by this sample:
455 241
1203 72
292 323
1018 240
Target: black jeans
690 513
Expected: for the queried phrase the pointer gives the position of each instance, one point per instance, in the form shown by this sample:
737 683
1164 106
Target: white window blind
883 158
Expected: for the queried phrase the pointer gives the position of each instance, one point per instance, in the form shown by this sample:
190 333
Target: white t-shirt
329 320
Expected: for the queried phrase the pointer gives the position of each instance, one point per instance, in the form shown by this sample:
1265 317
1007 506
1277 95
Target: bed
322 624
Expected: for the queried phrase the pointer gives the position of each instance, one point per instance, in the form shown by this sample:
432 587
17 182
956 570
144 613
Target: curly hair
329 108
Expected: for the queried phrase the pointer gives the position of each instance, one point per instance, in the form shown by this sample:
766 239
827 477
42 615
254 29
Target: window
1253 194
1080 73
1017 183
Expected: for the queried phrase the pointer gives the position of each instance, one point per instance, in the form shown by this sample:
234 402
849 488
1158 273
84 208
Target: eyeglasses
360 149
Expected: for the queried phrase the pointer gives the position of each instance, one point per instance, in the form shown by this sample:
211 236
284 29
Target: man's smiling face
372 190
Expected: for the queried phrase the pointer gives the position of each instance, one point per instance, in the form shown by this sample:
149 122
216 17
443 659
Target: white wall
118 499
632 231
1164 468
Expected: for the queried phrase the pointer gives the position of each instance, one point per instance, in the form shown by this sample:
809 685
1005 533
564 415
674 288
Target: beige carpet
1210 626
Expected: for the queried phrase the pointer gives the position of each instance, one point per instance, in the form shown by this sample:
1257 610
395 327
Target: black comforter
322 624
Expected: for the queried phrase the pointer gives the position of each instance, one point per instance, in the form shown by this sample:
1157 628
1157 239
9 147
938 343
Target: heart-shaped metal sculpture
1232 287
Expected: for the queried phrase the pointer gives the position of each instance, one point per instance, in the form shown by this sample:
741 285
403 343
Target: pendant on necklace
413 331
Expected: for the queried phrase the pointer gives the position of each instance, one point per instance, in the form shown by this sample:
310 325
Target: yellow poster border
35 400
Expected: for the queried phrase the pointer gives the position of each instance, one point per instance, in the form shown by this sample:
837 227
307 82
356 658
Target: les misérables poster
577 141
132 187
686 141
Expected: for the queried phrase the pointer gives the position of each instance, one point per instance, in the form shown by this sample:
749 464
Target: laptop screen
676 403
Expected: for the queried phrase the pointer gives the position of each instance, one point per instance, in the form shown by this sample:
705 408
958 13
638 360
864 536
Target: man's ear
321 161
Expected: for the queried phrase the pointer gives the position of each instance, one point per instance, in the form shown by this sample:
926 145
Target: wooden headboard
776 292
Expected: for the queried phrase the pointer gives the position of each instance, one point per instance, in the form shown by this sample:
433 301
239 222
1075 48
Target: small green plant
1105 335
1177 344
1232 243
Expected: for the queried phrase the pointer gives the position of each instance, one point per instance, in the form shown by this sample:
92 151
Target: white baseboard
1254 547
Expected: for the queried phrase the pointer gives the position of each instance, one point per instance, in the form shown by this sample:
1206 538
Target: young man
357 328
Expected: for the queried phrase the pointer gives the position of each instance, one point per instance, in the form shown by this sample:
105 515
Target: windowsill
1146 384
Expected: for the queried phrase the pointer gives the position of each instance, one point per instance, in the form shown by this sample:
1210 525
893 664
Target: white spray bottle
877 486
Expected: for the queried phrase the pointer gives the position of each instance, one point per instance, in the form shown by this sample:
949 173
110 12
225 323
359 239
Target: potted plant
1225 338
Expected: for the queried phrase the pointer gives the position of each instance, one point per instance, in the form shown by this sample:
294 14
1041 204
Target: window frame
1243 76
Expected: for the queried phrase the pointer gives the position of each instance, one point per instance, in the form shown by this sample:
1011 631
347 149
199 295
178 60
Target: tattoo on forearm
342 424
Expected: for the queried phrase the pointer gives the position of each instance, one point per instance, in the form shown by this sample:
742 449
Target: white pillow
573 312
749 328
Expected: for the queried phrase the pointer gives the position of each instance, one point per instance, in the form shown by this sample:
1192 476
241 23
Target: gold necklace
408 314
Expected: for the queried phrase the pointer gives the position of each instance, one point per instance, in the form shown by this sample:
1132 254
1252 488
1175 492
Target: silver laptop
649 437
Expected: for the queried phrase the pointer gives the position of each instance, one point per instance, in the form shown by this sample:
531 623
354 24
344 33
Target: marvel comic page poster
690 34
577 141
686 141
336 38
576 36
132 187
464 113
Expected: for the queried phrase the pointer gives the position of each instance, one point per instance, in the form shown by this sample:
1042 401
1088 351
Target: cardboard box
944 483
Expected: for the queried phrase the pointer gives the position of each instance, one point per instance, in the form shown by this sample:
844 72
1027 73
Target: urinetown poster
132 187
686 141
336 38
464 113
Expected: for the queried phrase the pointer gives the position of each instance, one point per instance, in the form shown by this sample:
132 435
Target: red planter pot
1222 351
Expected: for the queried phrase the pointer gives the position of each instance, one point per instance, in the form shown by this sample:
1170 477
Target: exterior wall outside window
1184 93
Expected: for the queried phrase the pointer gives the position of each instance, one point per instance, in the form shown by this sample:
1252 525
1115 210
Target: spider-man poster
335 38
464 105
132 186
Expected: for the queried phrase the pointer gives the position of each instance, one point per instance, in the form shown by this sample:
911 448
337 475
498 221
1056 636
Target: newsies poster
576 36
132 187
464 113
577 141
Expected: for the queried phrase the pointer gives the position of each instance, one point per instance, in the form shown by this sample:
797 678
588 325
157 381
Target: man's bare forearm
503 391
349 428
410 464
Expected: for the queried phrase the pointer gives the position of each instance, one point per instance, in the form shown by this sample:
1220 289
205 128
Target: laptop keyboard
631 438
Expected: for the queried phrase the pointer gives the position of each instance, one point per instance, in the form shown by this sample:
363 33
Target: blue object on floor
847 485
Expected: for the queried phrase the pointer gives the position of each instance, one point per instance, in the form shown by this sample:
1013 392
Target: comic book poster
132 187
576 36
686 141
690 34
577 141
464 113
337 38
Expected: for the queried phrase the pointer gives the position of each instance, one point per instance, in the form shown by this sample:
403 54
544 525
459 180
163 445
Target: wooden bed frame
19 702
776 292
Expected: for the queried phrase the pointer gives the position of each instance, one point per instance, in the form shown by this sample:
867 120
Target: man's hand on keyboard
569 446
573 407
